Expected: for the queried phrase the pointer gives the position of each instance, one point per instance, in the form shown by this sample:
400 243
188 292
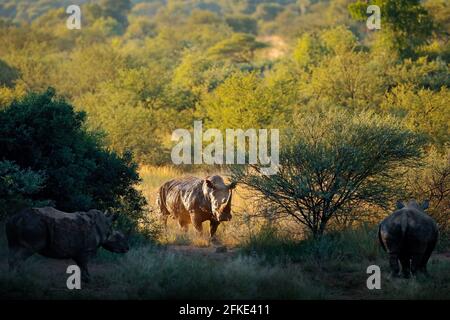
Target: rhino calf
408 235
56 234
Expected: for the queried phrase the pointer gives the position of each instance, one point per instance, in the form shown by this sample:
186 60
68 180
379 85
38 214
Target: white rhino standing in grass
194 200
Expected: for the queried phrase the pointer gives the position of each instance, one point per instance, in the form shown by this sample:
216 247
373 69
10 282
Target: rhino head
109 239
116 242
413 204
220 196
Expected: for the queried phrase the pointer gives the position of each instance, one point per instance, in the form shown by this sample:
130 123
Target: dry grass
229 233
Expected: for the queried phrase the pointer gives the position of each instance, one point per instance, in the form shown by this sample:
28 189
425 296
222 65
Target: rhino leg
82 262
393 263
426 256
17 255
416 263
423 264
405 261
198 223
213 225
163 219
183 224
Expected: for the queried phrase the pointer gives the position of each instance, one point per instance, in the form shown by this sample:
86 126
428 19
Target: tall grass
350 244
149 272
269 266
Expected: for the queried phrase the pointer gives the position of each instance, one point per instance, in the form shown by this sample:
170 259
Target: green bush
17 187
44 134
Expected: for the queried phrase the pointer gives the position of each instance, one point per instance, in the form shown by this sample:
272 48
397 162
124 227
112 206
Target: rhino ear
399 204
425 204
209 183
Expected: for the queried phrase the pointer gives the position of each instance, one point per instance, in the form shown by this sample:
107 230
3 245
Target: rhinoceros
194 200
56 234
408 235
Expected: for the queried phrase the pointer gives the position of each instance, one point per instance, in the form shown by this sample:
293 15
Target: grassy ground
260 263
264 268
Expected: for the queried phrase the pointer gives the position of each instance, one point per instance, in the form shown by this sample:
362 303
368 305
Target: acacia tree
240 48
331 161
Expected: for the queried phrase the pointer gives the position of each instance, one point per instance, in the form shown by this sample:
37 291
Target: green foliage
420 73
239 48
334 161
339 40
243 24
242 96
357 102
432 181
17 186
140 28
143 69
268 11
406 23
117 9
44 133
423 110
308 51
352 80
7 75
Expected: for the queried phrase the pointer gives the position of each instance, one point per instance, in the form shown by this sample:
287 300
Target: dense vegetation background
140 69
364 119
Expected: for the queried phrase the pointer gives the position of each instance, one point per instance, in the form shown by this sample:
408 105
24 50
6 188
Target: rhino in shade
409 235
194 200
56 234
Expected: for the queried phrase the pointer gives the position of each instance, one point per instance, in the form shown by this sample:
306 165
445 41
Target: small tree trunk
323 224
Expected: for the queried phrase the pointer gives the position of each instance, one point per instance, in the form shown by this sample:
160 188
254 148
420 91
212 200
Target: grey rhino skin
196 200
56 234
408 235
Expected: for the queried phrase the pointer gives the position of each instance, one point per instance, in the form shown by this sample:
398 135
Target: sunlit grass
230 233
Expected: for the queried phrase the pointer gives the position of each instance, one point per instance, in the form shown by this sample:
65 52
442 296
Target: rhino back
67 234
27 230
407 228
184 193
421 227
